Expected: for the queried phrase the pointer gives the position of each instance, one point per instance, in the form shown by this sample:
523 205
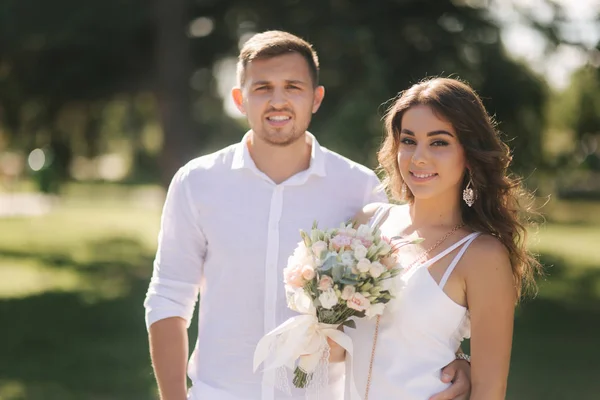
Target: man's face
278 98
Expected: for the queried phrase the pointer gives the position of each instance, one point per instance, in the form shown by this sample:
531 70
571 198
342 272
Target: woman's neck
435 213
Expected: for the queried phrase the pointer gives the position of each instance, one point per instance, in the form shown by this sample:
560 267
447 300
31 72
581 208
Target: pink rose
292 276
308 272
366 242
325 283
318 248
358 302
348 292
340 241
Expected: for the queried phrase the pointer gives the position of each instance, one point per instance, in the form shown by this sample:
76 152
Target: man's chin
282 139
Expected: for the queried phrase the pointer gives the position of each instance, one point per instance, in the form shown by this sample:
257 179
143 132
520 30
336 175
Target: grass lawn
72 284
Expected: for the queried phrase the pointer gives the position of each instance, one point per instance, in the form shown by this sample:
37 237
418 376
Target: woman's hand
336 352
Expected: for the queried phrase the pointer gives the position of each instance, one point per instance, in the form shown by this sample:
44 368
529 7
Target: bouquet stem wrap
302 339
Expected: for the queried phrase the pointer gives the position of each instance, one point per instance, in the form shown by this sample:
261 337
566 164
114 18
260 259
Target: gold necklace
412 264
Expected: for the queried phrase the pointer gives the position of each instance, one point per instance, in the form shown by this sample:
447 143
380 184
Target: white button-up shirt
227 231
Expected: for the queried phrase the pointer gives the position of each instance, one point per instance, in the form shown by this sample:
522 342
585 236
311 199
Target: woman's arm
491 296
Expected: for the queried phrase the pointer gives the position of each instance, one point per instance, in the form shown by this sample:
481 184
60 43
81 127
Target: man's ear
319 94
238 99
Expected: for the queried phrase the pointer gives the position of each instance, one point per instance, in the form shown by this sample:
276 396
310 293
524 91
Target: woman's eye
439 143
408 141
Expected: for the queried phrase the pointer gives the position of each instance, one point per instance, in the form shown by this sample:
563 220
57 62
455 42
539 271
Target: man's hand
459 373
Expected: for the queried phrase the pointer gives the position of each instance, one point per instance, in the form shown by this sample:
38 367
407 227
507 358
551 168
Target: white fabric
226 233
419 333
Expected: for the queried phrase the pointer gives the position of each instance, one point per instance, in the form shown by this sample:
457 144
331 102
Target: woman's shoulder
486 245
486 253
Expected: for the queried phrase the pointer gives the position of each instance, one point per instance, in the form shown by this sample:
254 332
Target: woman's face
431 159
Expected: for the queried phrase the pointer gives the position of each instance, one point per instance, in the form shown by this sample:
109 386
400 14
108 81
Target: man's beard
273 137
293 136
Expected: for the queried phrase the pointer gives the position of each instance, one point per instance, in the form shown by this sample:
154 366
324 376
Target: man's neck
280 163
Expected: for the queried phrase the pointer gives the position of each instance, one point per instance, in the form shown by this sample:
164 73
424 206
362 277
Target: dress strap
380 214
456 259
447 251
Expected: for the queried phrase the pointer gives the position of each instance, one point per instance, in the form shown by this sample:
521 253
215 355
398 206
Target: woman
443 157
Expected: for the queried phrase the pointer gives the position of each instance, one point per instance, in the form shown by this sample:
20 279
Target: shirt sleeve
178 266
374 192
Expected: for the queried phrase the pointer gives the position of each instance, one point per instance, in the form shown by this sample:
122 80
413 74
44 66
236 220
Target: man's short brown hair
271 44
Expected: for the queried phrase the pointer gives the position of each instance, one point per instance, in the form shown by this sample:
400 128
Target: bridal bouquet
332 275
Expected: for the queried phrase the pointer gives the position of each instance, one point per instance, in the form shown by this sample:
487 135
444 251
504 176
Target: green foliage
55 53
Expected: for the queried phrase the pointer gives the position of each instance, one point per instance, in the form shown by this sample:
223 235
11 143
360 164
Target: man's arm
459 373
169 351
174 287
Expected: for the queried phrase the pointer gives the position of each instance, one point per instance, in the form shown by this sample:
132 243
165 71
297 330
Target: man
232 218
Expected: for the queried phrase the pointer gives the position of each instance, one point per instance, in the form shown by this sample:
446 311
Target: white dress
419 334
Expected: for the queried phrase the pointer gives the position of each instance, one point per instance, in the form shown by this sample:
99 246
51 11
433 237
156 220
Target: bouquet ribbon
302 337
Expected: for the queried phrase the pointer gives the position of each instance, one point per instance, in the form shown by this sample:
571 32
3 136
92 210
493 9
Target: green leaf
348 281
350 323
337 272
329 263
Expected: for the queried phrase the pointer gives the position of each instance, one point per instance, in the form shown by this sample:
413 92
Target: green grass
72 285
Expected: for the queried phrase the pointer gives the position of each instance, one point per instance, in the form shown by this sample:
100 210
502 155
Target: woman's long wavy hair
498 208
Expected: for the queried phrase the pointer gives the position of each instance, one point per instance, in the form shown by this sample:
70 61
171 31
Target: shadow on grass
555 350
73 346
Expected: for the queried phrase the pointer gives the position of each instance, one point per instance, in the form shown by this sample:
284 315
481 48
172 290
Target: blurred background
101 101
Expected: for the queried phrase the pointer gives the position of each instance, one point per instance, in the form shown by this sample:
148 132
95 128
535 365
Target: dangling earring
469 195
403 191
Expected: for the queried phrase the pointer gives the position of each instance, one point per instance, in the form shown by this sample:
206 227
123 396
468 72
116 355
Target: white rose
302 303
348 292
319 247
347 230
364 231
374 309
363 265
360 252
328 299
376 269
302 255
347 258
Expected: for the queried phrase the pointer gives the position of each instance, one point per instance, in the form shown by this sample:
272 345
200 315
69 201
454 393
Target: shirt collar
243 160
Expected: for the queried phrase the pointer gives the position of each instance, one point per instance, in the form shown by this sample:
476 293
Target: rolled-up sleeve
178 266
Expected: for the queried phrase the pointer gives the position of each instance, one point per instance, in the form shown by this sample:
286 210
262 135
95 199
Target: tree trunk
173 92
